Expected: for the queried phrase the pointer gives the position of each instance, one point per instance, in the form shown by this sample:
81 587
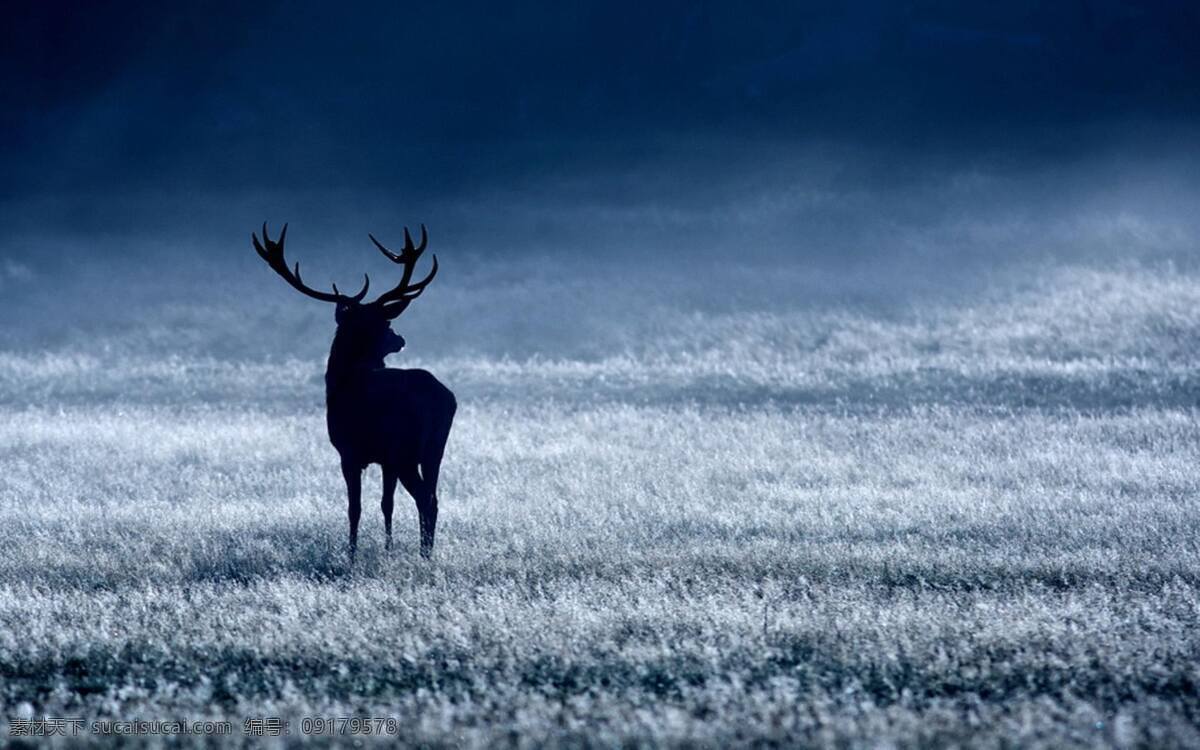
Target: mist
585 264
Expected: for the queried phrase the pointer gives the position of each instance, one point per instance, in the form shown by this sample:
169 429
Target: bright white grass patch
617 573
174 493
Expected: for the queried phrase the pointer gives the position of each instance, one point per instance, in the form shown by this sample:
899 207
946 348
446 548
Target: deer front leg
389 490
353 476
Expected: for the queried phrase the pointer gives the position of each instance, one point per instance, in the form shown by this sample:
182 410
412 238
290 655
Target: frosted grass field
792 516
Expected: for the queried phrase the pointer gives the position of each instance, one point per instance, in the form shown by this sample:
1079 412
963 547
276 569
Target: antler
394 301
273 255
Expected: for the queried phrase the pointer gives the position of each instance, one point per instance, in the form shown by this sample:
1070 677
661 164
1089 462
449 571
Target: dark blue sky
317 94
172 104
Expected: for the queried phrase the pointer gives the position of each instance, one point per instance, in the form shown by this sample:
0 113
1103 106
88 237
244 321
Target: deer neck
345 368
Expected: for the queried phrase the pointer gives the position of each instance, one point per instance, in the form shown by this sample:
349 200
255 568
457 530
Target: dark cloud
295 94
585 126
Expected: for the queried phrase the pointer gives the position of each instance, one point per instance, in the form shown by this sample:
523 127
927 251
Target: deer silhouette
399 419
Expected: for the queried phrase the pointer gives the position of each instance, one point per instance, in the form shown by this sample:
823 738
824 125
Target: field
804 512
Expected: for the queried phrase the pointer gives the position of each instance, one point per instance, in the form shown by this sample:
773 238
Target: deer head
364 328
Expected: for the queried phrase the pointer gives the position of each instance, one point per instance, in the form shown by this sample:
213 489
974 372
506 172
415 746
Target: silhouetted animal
399 419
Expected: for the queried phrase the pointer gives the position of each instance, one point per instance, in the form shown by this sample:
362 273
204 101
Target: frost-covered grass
966 521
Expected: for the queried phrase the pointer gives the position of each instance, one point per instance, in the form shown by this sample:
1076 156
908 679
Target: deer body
362 418
399 419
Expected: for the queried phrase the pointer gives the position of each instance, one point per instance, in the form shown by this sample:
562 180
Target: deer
397 418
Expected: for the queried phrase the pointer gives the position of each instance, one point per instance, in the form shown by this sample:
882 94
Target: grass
971 524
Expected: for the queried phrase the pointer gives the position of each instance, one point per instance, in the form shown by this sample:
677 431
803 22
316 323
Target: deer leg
353 477
428 525
429 514
417 487
389 490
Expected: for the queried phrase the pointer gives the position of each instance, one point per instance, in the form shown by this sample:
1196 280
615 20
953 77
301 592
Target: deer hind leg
430 470
431 467
421 480
389 490
353 477
419 489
